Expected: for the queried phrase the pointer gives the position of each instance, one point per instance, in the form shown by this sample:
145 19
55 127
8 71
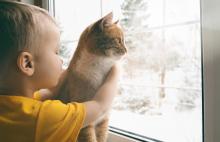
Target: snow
170 126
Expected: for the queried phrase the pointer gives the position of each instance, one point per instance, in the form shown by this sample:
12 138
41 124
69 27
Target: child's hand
45 94
114 73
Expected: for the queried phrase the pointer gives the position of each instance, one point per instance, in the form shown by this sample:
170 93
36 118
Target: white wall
211 48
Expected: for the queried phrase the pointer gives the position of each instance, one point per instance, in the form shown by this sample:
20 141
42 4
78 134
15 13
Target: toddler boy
29 61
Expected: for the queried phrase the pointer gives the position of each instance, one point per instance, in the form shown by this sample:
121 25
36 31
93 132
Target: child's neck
16 87
15 92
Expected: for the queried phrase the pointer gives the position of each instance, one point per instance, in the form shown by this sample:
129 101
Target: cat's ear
104 22
116 22
107 20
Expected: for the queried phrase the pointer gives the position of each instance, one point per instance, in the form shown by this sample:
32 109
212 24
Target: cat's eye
119 40
123 41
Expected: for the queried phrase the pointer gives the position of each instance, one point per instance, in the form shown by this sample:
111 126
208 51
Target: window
161 90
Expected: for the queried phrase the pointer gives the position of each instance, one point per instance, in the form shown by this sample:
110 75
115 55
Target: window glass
160 93
74 16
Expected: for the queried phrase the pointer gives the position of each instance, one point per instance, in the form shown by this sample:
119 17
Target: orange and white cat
100 46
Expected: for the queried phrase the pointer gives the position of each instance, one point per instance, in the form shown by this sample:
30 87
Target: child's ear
25 63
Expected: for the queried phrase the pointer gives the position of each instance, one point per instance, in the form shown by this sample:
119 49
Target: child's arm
103 98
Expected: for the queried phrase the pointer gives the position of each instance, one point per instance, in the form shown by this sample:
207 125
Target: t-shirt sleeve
37 96
59 122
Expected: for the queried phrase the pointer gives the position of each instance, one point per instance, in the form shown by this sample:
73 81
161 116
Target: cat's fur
100 46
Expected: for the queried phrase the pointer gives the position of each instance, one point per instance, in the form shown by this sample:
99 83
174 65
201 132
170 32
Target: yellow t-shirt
29 120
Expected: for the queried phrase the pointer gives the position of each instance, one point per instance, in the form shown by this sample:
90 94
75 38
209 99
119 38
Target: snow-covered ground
169 126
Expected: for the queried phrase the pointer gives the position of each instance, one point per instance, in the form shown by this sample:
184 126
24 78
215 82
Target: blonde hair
20 28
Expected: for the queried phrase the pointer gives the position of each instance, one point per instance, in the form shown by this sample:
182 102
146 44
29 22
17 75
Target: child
29 61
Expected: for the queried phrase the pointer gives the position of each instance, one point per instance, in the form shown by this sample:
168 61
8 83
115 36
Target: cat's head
105 38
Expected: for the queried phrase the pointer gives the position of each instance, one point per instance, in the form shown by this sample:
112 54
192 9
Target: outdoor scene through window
160 92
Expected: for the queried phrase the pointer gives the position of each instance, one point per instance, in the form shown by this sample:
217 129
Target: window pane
178 11
112 6
67 49
74 16
155 13
160 93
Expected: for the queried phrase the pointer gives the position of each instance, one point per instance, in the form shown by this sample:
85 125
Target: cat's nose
123 51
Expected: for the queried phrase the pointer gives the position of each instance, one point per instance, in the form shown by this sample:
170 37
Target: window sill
118 135
113 137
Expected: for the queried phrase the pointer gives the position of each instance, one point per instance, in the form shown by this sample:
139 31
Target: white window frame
210 28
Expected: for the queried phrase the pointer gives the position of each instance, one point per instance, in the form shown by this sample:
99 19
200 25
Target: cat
100 46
